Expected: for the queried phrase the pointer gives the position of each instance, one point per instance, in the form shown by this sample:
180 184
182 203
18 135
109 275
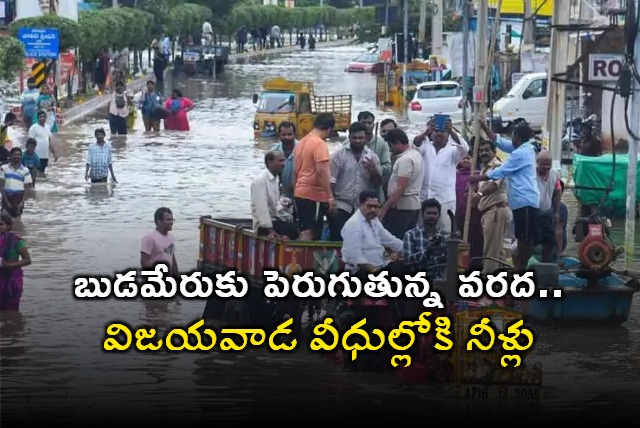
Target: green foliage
69 29
187 18
255 16
114 28
135 27
11 57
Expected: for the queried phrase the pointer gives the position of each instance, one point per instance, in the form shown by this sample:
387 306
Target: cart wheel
236 312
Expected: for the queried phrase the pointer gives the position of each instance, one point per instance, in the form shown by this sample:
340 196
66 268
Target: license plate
191 57
502 392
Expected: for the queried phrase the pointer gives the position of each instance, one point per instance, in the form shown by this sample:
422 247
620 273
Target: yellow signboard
516 7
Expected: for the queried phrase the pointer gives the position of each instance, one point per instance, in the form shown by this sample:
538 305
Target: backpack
121 100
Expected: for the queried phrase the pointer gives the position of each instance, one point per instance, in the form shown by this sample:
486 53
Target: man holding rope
523 193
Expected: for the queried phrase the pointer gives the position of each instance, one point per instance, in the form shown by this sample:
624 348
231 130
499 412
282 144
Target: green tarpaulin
596 172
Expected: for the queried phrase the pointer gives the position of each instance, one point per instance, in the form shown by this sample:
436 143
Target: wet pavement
50 354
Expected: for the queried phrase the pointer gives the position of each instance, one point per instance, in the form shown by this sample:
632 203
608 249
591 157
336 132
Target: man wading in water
42 134
150 103
99 160
159 246
15 178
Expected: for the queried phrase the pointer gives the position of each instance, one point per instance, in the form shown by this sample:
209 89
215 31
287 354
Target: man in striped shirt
15 178
99 160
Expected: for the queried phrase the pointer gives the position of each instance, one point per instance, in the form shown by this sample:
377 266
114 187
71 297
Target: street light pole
632 169
405 11
479 97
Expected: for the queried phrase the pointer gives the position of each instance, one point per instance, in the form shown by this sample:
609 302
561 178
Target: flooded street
51 355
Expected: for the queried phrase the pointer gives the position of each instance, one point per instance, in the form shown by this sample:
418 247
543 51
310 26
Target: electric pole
479 96
634 120
556 100
405 11
465 60
422 27
436 28
528 30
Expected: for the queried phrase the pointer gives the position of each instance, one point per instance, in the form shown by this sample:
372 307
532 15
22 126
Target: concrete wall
599 101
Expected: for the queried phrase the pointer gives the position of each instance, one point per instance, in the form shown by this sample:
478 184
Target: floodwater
52 363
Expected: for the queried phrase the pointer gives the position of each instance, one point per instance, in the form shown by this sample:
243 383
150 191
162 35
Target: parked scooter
573 133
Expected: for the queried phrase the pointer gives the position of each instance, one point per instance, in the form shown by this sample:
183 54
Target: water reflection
99 192
53 358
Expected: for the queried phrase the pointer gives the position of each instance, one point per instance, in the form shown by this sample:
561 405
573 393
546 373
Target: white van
527 100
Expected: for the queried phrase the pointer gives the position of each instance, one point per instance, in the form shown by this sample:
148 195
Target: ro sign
605 67
40 43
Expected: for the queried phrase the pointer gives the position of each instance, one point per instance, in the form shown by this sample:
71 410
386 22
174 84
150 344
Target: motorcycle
573 134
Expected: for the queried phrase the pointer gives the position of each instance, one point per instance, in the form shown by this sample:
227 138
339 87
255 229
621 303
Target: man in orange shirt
312 178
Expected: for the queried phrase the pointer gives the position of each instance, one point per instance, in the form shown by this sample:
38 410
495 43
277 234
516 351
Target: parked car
436 98
527 100
366 63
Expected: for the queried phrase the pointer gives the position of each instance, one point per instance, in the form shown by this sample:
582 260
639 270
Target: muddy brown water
51 360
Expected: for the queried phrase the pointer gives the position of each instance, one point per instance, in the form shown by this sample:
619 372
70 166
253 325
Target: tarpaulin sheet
596 172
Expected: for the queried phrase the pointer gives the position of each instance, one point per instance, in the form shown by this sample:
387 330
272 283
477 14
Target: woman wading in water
14 256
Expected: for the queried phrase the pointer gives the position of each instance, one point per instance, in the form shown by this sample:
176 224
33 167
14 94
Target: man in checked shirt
99 160
425 246
354 169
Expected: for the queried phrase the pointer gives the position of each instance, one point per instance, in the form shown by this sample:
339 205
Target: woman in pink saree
179 106
14 256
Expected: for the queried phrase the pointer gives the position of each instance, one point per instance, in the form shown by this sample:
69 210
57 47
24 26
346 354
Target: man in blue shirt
523 194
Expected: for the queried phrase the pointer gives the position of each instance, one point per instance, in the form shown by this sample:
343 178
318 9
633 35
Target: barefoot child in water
30 159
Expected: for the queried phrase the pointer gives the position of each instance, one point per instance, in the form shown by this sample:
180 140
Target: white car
527 100
436 98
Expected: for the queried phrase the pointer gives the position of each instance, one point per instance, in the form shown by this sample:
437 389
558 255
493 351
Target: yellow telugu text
327 338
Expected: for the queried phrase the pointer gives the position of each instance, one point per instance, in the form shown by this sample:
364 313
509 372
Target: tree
11 57
298 18
111 29
187 18
69 29
342 4
222 8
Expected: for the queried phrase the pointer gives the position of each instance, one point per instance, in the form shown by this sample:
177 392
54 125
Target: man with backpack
151 107
118 111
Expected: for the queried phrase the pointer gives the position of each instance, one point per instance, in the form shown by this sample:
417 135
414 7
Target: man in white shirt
442 149
207 33
275 37
401 210
364 239
41 132
269 212
119 110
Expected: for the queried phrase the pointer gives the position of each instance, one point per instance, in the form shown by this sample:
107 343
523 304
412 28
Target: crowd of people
269 38
20 169
382 194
